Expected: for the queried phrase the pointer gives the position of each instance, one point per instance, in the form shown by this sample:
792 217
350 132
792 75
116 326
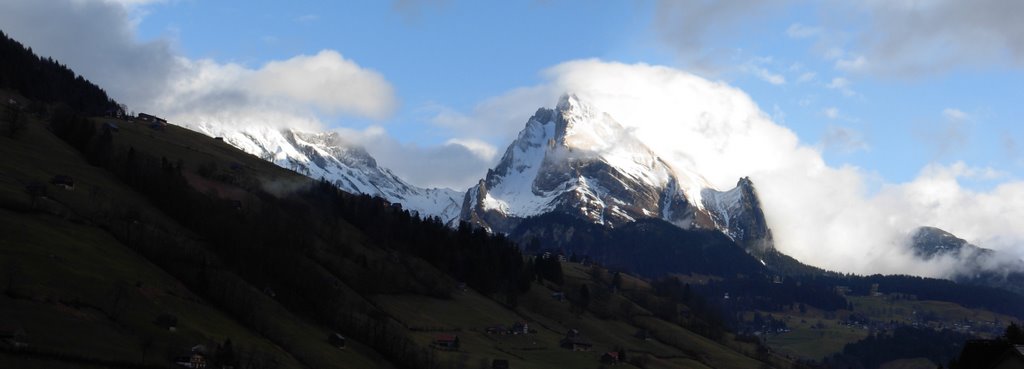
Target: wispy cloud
948 135
307 18
844 140
831 112
842 85
797 30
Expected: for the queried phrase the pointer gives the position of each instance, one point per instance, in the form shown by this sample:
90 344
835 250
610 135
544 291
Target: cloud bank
820 214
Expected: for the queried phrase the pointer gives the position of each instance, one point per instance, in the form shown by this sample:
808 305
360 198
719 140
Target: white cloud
954 114
948 135
764 74
820 214
482 149
843 140
327 81
797 30
806 77
831 112
852 65
496 119
842 85
97 40
455 164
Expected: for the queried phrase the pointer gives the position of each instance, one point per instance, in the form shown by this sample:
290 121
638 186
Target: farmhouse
196 359
611 357
575 341
151 118
447 342
520 328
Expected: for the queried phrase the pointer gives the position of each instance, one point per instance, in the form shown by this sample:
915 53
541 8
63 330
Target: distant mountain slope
974 265
344 164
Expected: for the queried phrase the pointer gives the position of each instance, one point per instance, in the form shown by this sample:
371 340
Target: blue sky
454 54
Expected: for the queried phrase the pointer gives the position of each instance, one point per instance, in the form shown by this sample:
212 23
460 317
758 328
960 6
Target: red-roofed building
449 342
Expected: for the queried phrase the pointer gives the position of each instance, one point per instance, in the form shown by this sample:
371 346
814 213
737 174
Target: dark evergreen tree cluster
46 80
490 264
994 299
762 293
902 343
648 247
549 269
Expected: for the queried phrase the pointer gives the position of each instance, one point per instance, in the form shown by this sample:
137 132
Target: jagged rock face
346 165
576 160
738 214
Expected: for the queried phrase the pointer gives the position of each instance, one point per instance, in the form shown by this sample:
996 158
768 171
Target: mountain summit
578 160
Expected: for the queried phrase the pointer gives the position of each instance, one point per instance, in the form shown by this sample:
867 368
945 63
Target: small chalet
336 340
151 118
447 342
574 341
610 357
196 359
63 181
520 328
218 138
497 329
111 126
499 364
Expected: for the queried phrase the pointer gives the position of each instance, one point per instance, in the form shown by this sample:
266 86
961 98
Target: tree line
46 80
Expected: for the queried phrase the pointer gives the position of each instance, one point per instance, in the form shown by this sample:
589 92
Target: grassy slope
807 341
62 256
58 256
467 314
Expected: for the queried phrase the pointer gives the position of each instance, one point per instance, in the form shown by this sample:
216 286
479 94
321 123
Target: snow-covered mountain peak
579 160
330 156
